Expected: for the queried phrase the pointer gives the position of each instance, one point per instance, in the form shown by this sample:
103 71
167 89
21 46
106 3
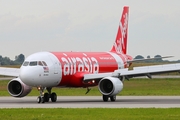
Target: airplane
107 70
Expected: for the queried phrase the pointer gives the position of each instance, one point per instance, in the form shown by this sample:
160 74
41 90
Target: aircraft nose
26 75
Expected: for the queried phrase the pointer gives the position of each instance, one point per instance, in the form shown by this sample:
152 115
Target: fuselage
67 68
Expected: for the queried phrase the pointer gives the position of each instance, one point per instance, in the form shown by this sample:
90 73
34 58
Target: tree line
19 59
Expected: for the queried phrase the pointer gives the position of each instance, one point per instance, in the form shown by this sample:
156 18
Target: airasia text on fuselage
71 65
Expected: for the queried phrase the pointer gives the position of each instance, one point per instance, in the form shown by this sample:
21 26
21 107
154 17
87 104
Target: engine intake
17 88
110 86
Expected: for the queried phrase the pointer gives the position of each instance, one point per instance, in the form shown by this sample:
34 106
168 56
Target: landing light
38 88
93 81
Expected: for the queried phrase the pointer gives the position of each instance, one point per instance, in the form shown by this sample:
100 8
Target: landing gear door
56 68
56 65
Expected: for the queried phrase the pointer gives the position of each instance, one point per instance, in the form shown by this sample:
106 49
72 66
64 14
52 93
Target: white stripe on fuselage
118 60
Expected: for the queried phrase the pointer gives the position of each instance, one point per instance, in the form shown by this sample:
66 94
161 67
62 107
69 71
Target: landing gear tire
53 97
40 99
105 98
113 98
46 97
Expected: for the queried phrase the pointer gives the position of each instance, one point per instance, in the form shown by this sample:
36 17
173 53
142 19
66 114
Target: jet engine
17 88
110 86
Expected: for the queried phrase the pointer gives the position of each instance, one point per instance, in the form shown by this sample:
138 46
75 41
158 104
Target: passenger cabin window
25 63
34 63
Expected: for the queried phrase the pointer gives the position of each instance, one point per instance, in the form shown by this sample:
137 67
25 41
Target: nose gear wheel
44 97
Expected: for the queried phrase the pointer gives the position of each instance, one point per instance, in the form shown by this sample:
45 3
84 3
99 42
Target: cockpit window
25 63
40 63
34 63
44 63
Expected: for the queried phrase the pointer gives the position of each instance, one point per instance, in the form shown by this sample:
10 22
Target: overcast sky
28 26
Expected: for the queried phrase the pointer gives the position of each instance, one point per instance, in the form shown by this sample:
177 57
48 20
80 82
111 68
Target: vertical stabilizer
120 45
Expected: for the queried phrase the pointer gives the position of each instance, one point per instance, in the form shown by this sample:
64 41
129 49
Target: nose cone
26 75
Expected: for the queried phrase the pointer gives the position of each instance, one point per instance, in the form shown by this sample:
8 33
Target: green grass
90 114
136 87
168 86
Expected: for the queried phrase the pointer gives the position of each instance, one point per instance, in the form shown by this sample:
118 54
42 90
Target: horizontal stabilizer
137 60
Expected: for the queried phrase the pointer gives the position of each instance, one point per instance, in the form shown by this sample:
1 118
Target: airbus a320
107 70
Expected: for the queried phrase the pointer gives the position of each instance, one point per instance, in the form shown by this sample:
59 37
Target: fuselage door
56 65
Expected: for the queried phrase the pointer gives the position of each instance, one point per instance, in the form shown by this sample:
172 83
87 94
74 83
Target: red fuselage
76 64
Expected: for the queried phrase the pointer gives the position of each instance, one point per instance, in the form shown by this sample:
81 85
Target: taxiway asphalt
93 102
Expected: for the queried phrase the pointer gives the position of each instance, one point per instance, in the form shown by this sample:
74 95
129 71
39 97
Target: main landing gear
106 97
44 97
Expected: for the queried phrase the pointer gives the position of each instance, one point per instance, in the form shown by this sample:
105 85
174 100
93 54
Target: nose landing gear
44 97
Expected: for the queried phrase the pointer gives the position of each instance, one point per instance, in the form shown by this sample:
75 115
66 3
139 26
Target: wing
136 72
9 71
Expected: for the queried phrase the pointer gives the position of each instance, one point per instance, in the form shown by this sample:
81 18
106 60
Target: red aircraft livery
76 64
107 70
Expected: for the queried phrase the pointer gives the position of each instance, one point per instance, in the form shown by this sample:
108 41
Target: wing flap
9 71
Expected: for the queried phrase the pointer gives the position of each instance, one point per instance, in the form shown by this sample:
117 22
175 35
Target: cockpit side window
44 63
40 63
26 63
33 63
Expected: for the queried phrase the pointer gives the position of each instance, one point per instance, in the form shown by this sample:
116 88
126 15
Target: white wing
136 72
9 71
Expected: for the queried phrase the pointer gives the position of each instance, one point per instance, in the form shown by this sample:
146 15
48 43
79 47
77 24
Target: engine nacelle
110 86
17 88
